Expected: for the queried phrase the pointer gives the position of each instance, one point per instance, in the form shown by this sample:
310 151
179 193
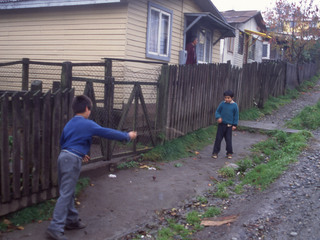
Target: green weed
244 164
211 212
308 118
181 147
202 200
222 191
228 172
126 165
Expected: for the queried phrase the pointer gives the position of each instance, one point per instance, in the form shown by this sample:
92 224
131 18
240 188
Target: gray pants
69 166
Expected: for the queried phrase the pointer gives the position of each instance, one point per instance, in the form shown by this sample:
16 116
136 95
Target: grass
271 157
181 147
192 224
308 118
275 103
37 213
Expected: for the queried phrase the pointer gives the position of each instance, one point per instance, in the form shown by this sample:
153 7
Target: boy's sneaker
215 156
75 225
56 235
229 156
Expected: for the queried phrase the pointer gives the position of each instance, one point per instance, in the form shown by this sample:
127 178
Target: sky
240 5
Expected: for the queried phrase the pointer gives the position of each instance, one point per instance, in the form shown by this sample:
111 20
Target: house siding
82 33
234 57
64 34
137 28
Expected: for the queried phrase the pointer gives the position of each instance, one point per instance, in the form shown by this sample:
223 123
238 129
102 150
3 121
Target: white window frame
207 56
230 43
267 46
163 12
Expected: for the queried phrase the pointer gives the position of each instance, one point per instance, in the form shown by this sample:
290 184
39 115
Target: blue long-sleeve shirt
229 113
78 132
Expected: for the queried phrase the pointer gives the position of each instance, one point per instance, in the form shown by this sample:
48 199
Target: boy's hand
234 128
132 135
86 159
219 120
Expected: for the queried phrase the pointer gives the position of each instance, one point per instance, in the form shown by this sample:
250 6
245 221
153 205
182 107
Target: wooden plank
146 115
35 142
26 143
4 161
56 126
46 141
16 146
70 100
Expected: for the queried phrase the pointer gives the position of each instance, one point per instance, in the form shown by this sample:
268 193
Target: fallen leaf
20 228
214 179
219 220
144 166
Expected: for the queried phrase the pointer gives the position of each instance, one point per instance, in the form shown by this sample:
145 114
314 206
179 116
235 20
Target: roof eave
228 30
47 4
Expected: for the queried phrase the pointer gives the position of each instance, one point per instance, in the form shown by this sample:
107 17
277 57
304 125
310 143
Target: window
241 42
265 50
230 43
252 48
159 32
204 46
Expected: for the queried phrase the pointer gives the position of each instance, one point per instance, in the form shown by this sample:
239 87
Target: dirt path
115 207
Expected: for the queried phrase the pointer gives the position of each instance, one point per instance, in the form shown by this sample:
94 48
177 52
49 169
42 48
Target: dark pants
223 132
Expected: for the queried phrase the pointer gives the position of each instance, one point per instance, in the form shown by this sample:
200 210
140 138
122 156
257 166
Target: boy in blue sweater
75 144
227 116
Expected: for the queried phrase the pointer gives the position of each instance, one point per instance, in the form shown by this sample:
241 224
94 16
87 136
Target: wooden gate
136 109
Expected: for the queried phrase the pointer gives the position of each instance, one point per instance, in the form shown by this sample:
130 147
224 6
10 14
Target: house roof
22 4
211 21
205 5
236 17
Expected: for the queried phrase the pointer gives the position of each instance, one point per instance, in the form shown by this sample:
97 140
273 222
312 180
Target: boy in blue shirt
75 144
227 116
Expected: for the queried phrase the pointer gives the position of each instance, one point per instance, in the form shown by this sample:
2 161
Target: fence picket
56 127
16 147
35 142
26 142
46 141
4 161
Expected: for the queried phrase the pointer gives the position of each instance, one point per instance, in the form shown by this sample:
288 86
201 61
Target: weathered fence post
108 107
25 74
66 75
162 108
4 150
36 86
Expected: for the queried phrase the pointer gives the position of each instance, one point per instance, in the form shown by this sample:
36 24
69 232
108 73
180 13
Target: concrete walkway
265 126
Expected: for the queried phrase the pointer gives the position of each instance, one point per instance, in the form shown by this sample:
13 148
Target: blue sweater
229 113
78 132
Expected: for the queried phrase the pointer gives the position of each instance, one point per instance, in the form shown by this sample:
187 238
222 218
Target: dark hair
228 93
80 103
193 37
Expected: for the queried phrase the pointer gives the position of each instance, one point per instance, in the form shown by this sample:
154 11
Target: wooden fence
194 92
30 127
187 97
